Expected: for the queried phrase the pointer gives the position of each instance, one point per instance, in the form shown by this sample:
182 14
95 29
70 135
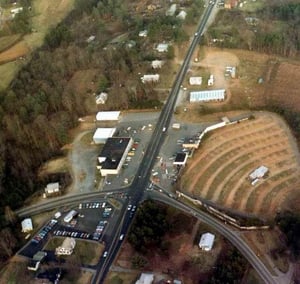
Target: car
129 207
105 254
121 237
133 208
196 34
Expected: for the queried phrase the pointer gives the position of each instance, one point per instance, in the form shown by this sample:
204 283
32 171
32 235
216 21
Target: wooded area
273 29
41 105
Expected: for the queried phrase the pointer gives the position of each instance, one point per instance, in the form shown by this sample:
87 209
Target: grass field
88 252
46 15
219 169
8 41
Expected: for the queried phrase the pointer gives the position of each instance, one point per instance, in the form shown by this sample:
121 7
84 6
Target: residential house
67 247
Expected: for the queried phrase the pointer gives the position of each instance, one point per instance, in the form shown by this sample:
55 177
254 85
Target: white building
162 47
52 188
182 15
150 78
210 81
102 134
143 33
145 278
101 98
108 116
155 64
67 247
171 11
207 241
260 172
195 81
91 38
16 11
27 225
70 216
206 96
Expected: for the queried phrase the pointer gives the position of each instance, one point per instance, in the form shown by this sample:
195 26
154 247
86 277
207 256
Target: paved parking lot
164 172
91 223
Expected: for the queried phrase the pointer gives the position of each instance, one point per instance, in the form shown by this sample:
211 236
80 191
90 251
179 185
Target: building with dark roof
180 159
34 263
113 155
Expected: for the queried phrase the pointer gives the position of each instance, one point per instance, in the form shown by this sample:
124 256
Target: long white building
207 96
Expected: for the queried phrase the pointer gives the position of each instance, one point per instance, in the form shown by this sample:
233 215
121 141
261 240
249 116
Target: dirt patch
18 50
55 166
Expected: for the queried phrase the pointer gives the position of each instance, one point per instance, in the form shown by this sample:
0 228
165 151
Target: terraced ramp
219 170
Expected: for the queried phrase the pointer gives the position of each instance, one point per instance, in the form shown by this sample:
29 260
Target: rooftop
113 151
204 96
107 115
180 157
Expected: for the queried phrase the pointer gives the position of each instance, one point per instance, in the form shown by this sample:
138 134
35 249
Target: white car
105 254
121 237
129 207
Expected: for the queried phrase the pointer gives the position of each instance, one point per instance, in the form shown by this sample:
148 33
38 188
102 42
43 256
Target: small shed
101 98
182 15
52 188
180 159
171 11
143 33
102 134
27 225
207 241
195 81
162 47
145 278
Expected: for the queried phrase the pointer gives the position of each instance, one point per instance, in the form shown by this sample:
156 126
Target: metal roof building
145 278
207 241
162 47
195 80
259 173
102 134
27 225
108 116
206 96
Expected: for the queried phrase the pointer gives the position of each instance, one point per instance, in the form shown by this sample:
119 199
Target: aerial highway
136 191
